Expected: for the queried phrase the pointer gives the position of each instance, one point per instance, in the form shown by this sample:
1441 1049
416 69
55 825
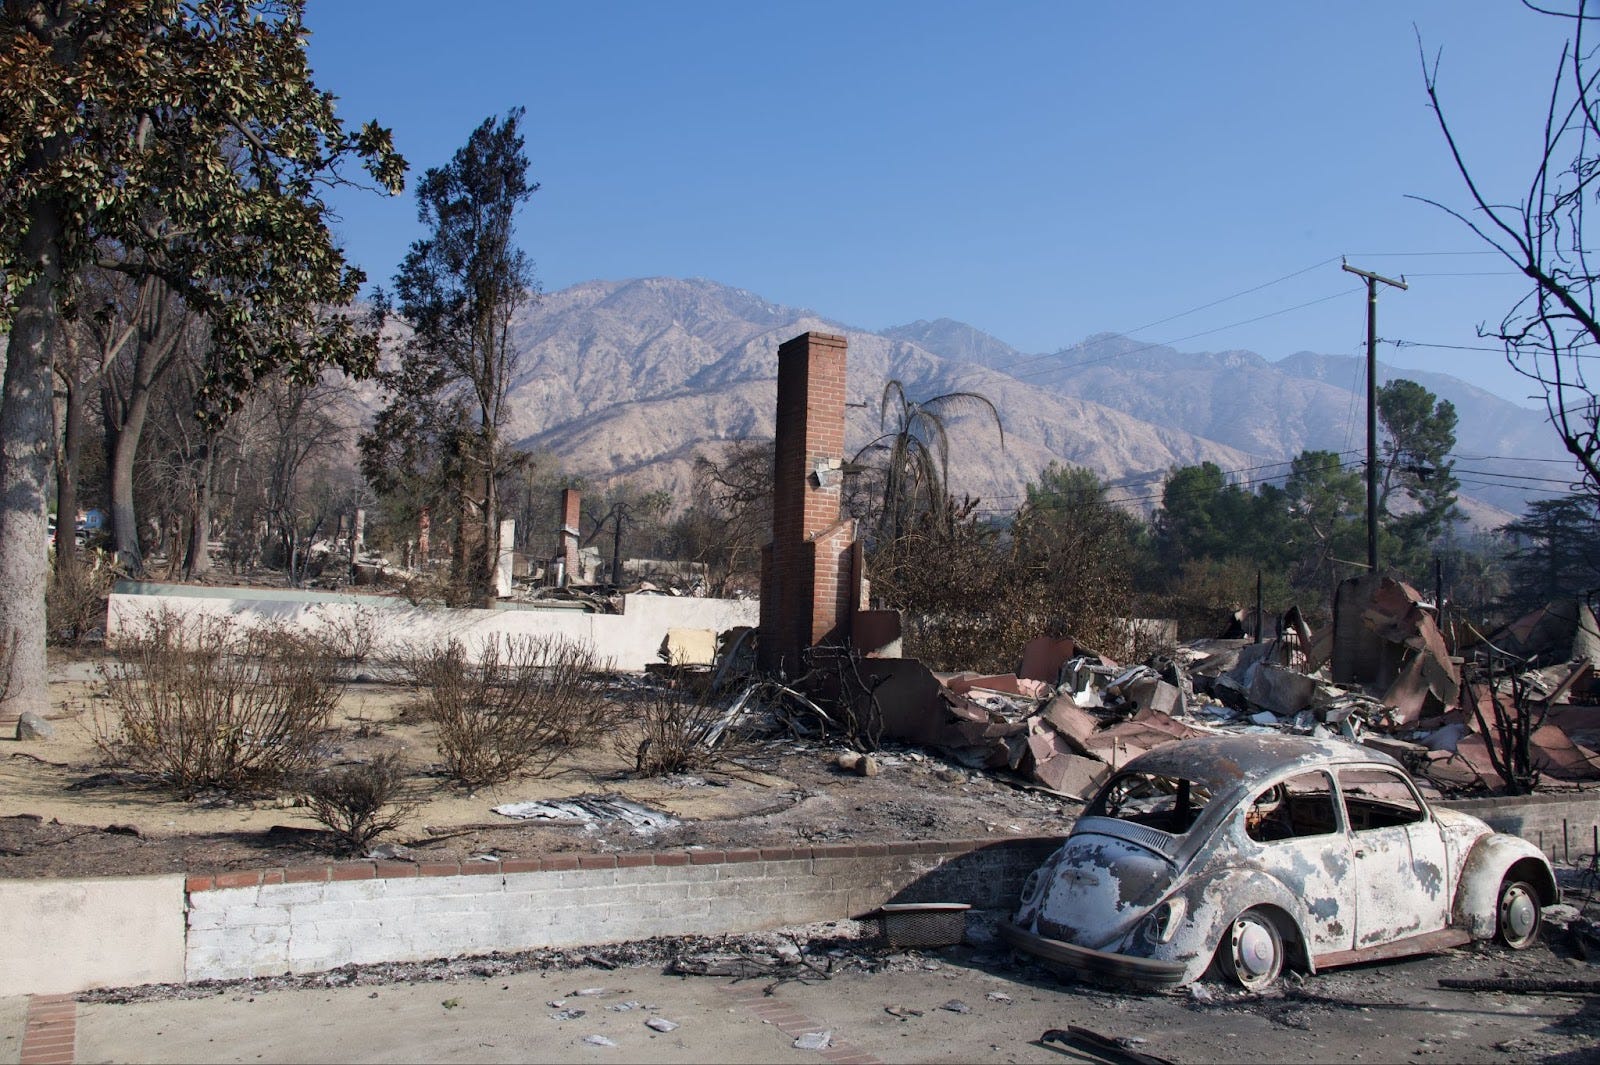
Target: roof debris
1380 674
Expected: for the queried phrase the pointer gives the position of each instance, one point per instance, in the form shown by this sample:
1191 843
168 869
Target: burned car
1255 853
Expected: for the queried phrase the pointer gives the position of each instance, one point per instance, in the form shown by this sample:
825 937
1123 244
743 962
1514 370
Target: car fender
1491 858
1214 901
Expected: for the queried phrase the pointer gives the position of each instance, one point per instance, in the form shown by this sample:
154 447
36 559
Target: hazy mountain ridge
1305 400
634 378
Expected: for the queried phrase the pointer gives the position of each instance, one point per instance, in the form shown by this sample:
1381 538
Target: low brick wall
321 917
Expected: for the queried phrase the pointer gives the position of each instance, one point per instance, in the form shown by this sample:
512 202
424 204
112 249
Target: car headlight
1163 921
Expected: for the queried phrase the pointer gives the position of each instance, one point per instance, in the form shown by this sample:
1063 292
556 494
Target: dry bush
201 705
679 731
350 641
75 600
971 594
523 704
359 803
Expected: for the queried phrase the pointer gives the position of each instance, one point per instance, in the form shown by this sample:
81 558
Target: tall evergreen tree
1557 553
458 290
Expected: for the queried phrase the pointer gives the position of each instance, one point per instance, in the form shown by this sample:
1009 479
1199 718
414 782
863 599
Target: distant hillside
633 378
1278 409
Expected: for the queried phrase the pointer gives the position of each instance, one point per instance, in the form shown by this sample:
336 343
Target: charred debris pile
1516 711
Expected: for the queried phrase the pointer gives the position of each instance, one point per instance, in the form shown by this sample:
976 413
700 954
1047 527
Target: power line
1184 314
1498 351
1508 458
1160 343
1225 299
1412 254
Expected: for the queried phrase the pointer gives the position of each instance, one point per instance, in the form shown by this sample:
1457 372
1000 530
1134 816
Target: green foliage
1204 517
1213 536
188 141
1419 433
1327 519
1208 591
1557 552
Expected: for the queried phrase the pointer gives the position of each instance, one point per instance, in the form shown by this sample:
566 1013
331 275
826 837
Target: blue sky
1043 171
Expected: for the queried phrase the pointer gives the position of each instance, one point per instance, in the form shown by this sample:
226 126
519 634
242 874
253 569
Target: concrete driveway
955 1006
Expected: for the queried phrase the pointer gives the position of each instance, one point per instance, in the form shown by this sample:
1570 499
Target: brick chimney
567 550
808 586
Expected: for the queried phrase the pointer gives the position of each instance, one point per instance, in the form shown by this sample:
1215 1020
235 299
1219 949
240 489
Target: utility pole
1372 280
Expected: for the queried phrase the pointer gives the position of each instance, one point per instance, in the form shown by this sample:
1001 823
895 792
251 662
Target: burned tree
1554 329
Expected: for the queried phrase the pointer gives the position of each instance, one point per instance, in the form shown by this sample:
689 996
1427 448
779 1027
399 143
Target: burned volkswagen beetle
1256 853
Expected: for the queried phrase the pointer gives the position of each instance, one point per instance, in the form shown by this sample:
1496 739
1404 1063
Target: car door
1397 857
1303 845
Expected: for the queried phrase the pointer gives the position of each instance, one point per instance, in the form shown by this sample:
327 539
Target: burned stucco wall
319 918
630 640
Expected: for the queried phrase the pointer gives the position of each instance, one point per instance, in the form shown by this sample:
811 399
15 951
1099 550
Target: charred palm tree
912 453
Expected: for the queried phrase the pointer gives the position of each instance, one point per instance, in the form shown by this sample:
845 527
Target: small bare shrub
350 641
75 599
204 706
522 705
359 803
678 731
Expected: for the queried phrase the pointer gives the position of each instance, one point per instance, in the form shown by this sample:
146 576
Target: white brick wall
276 928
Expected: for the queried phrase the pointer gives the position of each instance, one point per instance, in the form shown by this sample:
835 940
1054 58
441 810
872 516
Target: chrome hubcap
1253 947
1518 914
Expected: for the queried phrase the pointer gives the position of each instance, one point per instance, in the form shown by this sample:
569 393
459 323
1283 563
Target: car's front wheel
1251 951
1517 914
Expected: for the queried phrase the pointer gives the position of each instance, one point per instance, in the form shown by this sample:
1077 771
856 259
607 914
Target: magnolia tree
180 141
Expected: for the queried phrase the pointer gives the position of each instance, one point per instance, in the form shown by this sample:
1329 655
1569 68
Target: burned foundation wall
318 918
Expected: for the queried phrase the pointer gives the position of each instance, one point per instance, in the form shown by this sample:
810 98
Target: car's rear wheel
1517 914
1251 951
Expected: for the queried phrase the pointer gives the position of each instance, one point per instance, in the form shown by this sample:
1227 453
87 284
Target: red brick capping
454 868
237 880
550 863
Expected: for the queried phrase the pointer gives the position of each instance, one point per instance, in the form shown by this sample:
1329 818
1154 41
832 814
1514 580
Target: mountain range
633 379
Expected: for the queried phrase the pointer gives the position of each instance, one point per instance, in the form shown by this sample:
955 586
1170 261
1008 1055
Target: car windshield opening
1169 804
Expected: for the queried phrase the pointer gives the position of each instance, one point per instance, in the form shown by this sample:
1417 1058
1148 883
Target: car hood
1097 887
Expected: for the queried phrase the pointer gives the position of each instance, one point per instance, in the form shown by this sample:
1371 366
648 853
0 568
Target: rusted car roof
1223 761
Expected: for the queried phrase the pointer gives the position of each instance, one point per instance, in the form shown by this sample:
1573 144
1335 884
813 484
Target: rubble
1380 674
587 810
